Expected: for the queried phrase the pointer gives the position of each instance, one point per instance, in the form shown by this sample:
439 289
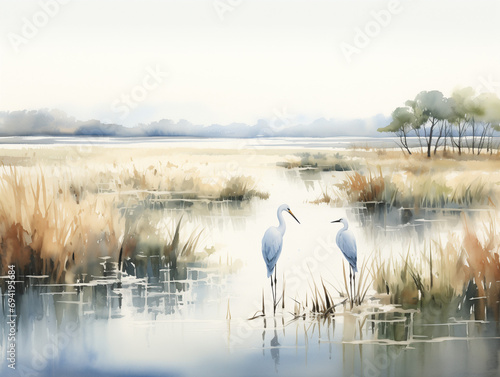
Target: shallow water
195 320
180 328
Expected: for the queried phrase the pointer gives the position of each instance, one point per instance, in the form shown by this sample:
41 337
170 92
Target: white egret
272 243
347 244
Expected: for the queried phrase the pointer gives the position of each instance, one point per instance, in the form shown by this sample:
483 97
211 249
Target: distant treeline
464 121
46 122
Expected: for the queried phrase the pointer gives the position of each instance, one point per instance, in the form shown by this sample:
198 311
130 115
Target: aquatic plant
416 191
461 275
369 188
171 181
325 197
241 188
46 230
319 161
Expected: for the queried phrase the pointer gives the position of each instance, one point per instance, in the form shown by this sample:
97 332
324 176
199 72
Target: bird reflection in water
274 344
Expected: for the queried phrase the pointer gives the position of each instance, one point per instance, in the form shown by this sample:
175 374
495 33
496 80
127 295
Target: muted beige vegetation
319 160
461 275
63 208
385 176
59 216
454 277
426 190
458 277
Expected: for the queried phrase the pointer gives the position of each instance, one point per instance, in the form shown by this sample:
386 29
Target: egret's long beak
336 221
290 212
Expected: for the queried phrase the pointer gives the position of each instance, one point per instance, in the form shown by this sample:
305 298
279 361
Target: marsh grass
449 181
325 197
425 191
164 244
45 231
417 191
322 298
260 313
241 188
461 276
371 188
59 221
48 227
319 161
363 282
182 182
176 250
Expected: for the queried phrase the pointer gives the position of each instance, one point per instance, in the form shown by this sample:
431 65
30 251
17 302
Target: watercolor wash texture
145 258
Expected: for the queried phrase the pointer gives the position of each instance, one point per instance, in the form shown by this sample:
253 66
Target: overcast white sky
262 59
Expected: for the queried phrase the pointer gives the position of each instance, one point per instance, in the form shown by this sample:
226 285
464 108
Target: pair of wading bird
272 243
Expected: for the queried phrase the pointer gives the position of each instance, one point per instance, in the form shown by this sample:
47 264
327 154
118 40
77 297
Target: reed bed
321 300
319 161
418 191
61 222
45 231
189 182
459 277
322 295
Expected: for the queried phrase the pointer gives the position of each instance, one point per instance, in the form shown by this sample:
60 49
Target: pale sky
250 60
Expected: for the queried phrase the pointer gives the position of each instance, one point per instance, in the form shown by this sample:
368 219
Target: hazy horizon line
54 122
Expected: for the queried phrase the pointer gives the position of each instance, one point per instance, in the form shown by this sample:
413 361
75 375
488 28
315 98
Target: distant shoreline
297 144
344 142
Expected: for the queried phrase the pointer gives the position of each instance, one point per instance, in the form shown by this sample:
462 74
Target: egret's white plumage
272 244
347 244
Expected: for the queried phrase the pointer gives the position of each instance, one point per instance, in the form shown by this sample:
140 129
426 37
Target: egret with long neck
347 244
272 243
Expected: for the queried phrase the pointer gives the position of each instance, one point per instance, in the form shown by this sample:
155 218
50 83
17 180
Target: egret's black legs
272 290
355 295
275 286
350 284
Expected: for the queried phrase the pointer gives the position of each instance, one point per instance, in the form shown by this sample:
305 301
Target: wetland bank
144 258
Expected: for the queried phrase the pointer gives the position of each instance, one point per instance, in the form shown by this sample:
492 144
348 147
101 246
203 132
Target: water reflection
274 345
375 339
275 351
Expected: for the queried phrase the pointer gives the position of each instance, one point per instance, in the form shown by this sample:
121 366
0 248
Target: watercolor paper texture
177 178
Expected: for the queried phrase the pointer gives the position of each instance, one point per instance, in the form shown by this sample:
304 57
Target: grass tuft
416 191
462 275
